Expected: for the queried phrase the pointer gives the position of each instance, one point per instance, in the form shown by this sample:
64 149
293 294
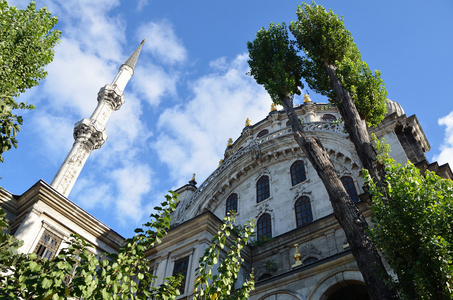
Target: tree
26 47
333 67
274 63
76 272
418 219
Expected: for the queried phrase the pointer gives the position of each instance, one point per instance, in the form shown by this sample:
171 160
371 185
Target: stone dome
394 107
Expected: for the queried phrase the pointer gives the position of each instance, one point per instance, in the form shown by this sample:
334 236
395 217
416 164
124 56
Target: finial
192 181
273 107
248 122
230 142
132 60
297 256
307 98
220 162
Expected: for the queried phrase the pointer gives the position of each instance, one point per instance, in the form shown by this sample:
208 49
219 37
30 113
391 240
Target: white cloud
55 135
141 4
91 24
74 79
152 82
164 44
132 182
446 149
193 136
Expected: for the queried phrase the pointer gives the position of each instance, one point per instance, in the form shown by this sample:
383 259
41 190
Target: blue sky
190 91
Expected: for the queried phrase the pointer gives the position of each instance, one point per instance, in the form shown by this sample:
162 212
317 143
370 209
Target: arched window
232 203
303 211
262 189
348 184
328 118
264 227
262 133
309 260
297 171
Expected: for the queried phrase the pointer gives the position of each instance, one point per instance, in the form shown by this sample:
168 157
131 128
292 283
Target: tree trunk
346 212
356 127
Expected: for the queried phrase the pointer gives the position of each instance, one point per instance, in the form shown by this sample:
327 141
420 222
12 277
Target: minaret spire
132 60
89 134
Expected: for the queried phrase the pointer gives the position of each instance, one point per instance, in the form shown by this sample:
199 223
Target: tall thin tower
89 134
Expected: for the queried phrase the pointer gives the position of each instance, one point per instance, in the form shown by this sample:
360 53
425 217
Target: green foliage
8 244
221 285
26 46
325 41
274 62
413 228
77 272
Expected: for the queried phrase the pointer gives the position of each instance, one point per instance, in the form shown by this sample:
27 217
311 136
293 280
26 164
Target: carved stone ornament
254 149
309 250
92 137
263 209
112 96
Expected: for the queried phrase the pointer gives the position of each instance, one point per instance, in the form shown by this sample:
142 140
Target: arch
297 171
349 186
347 290
232 203
264 227
350 275
262 189
262 133
328 118
303 211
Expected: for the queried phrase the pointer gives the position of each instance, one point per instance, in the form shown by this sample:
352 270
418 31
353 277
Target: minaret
89 134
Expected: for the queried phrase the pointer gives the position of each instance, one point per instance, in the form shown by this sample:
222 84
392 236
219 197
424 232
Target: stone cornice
42 192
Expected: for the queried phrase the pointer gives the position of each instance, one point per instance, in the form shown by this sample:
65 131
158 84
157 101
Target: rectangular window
180 267
48 245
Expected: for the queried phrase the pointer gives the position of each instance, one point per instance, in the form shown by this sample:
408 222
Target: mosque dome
394 107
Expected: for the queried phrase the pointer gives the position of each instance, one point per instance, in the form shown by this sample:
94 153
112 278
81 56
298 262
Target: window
303 211
328 118
309 260
180 267
348 184
297 172
262 133
288 124
262 189
48 245
232 203
264 227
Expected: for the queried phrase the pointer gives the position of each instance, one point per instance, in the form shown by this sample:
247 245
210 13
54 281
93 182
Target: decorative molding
89 134
112 96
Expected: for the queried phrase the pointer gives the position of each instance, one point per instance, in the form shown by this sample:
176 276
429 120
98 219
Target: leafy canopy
414 229
26 47
324 39
274 62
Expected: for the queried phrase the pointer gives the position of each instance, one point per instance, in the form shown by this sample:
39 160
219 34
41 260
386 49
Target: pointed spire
132 60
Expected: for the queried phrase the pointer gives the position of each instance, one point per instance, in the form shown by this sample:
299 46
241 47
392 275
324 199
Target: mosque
299 251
